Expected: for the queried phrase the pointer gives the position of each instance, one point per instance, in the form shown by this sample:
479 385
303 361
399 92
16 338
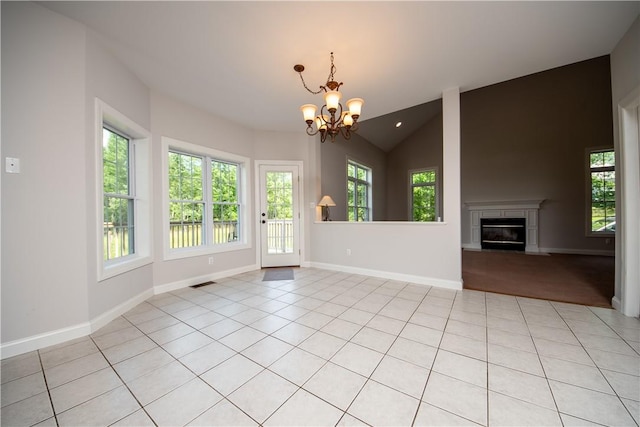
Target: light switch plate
12 165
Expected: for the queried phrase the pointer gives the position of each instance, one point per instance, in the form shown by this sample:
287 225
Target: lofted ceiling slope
235 59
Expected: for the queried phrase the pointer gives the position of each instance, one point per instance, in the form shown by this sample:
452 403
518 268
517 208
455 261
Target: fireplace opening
503 233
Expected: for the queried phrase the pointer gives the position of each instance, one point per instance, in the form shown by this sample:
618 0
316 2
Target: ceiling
235 59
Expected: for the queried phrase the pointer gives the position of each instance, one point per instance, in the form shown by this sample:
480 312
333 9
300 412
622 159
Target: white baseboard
168 287
615 303
114 313
46 339
35 342
420 280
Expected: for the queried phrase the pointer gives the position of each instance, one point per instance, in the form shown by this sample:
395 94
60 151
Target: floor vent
199 285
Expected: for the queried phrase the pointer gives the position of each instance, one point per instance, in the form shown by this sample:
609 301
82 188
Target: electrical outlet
210 260
348 252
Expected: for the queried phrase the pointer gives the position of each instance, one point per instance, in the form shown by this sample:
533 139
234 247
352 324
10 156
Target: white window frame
434 185
588 209
141 177
244 242
369 187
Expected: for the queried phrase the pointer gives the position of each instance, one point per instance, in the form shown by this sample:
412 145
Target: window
123 188
602 174
224 199
118 207
186 201
358 192
205 200
424 194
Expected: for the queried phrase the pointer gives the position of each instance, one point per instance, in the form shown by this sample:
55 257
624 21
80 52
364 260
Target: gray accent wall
334 173
526 139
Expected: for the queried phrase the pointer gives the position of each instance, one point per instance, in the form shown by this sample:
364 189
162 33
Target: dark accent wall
422 149
527 139
334 173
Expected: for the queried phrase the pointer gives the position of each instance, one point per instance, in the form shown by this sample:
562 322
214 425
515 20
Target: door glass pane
279 212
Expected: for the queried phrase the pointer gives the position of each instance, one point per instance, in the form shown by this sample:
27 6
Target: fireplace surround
527 209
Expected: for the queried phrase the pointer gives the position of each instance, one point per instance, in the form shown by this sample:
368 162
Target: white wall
427 253
625 79
109 80
174 119
44 232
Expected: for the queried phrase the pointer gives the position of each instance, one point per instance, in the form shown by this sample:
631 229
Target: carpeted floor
579 279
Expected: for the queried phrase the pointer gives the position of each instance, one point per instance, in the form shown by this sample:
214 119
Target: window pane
603 193
118 205
185 224
224 182
423 177
358 188
115 163
279 212
362 174
118 235
351 170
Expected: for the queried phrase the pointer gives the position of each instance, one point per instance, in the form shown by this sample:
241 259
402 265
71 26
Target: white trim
168 287
106 317
504 204
627 192
616 304
420 280
143 171
46 339
301 198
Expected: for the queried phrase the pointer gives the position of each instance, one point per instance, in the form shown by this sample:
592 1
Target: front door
279 215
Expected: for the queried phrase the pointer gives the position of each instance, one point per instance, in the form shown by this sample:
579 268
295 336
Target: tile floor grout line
124 383
46 384
322 287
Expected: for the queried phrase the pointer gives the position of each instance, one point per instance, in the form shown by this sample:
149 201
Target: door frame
301 192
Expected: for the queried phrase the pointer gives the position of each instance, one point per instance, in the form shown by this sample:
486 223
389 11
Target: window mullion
207 189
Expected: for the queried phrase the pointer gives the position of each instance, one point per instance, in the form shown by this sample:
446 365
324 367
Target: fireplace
503 233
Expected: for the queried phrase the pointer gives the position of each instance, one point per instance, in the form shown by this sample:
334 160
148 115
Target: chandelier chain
330 78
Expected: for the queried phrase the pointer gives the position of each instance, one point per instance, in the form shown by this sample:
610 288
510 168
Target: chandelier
333 119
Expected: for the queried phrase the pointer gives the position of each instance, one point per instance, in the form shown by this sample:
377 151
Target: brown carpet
578 279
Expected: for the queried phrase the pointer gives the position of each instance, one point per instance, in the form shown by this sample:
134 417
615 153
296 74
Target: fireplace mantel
527 209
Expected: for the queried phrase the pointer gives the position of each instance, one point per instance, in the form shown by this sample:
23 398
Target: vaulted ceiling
235 59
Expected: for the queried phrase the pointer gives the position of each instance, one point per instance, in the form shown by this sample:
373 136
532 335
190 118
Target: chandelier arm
311 132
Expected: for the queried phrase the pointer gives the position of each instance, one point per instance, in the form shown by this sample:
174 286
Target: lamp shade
355 107
326 201
347 120
309 112
332 99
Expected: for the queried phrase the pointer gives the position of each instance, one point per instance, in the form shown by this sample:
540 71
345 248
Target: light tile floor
332 348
